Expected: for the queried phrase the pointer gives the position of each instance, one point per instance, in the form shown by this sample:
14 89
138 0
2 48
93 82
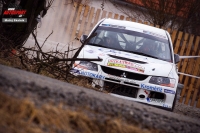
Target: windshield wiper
134 52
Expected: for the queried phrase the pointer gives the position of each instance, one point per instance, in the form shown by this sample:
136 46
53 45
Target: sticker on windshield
105 24
154 34
125 64
114 26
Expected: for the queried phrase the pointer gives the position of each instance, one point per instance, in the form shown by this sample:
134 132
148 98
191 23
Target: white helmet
109 34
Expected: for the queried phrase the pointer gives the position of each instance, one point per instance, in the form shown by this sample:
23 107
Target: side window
99 36
163 51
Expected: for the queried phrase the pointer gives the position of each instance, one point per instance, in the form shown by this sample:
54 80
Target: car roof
135 25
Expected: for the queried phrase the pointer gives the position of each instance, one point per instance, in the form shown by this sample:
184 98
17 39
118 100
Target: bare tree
191 20
77 2
179 14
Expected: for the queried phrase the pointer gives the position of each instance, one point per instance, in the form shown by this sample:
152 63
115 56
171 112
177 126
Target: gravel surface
187 110
40 89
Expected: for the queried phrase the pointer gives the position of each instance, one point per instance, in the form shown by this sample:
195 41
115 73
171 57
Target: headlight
87 65
163 81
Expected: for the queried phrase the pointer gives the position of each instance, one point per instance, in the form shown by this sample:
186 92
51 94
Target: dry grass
10 61
14 61
22 116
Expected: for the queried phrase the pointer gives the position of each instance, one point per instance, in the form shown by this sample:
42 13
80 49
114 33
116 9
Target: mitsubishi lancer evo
137 62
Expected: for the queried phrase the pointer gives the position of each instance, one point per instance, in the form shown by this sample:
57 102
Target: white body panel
129 63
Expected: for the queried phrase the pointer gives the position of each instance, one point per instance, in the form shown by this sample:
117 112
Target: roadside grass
22 116
14 61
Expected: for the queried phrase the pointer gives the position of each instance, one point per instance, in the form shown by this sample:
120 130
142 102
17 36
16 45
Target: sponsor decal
169 91
113 51
114 26
92 75
152 88
125 64
88 74
101 54
89 51
114 77
109 51
155 100
120 78
145 91
105 24
127 54
166 106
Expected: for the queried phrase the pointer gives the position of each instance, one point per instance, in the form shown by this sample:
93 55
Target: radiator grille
129 75
121 89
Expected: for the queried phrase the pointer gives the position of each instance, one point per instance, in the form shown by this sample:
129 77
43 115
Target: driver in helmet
110 40
148 47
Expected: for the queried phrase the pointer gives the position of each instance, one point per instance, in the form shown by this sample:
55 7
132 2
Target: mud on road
42 90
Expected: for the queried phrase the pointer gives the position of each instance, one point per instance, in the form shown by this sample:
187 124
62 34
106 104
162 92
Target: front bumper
132 86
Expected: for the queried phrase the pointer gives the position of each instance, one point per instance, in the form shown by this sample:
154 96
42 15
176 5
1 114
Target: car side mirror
83 38
176 58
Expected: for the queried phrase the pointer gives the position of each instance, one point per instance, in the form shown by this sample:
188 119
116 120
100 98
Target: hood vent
123 58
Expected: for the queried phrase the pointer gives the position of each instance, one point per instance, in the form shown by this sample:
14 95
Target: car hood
127 61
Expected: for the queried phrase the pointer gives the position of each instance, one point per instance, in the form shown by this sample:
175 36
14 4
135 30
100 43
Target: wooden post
83 21
121 17
178 42
89 21
173 36
185 63
76 22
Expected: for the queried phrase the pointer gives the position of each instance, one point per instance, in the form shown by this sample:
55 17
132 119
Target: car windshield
141 43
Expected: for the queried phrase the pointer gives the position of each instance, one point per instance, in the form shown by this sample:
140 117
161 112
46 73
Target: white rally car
138 62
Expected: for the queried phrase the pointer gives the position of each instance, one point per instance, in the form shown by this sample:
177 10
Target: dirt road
41 90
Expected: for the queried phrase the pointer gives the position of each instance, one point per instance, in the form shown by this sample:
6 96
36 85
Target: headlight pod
163 81
87 65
